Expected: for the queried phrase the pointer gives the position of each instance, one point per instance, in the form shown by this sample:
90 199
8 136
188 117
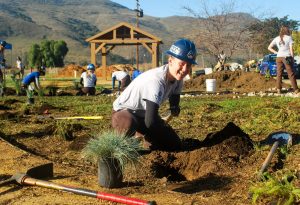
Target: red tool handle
86 192
123 199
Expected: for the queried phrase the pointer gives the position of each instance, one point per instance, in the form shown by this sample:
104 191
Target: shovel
278 139
40 172
23 179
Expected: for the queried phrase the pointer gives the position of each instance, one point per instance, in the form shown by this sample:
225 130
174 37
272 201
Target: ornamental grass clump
273 189
112 145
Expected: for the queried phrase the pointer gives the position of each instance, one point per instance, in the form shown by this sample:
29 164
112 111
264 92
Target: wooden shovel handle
86 192
268 159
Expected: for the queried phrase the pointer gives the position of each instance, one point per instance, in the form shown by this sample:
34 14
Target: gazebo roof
123 33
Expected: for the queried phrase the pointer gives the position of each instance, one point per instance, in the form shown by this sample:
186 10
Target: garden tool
80 118
24 179
41 171
278 139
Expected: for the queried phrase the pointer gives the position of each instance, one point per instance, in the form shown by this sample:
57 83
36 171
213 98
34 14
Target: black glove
175 110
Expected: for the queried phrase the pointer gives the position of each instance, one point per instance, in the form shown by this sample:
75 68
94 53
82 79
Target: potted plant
111 151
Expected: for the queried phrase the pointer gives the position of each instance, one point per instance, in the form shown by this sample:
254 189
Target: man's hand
167 118
175 110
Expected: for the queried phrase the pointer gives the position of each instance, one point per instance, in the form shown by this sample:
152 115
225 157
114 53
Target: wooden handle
268 159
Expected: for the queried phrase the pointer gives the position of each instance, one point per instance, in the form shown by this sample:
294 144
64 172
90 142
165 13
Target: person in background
20 67
136 72
2 60
34 77
135 111
88 80
284 58
123 77
221 61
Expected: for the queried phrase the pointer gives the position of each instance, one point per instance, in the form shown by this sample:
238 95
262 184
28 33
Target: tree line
231 32
48 53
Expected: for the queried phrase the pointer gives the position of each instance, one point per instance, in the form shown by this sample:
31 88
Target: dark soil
215 170
237 81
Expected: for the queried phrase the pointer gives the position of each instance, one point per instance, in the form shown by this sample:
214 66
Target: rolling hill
24 22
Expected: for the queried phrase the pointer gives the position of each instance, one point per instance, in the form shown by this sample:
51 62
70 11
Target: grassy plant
111 145
284 150
29 93
64 129
17 84
281 190
268 75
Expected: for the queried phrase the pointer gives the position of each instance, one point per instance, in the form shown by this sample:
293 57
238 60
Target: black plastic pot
109 173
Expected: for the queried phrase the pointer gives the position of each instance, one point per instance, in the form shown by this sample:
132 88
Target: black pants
163 137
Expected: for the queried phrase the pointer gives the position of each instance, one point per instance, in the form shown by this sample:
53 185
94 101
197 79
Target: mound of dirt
68 70
220 153
237 81
117 67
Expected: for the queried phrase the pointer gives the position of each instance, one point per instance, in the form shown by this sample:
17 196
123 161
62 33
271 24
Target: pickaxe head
284 138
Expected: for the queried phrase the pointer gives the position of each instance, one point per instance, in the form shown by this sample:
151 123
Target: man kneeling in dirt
135 111
33 77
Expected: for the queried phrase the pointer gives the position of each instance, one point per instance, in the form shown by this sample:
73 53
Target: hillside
29 21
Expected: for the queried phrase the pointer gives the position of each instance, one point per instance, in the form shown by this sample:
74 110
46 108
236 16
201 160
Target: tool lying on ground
40 172
72 118
80 118
278 139
46 171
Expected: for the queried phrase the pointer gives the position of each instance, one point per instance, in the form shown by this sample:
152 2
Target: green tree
49 53
60 50
34 55
263 32
296 45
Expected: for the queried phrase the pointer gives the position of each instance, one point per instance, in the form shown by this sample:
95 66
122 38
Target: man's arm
37 83
152 118
119 86
113 82
174 104
270 47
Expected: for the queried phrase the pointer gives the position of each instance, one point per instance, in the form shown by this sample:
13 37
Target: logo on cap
176 50
191 55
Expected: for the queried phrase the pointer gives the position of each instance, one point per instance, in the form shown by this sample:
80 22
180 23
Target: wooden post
93 53
103 53
154 55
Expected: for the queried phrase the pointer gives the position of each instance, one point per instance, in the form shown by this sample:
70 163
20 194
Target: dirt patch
237 81
219 152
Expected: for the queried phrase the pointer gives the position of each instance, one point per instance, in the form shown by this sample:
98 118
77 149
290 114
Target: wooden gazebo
123 34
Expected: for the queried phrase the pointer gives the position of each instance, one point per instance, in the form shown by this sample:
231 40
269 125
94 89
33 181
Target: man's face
178 69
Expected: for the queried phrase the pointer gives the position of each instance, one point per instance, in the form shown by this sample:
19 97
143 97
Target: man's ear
170 60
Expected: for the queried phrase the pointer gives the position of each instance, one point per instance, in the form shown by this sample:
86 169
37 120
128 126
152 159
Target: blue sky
260 8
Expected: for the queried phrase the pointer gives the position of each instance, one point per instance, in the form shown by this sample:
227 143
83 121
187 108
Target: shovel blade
41 172
284 138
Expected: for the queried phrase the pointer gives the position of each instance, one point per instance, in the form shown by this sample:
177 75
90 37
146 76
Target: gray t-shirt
88 79
151 85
